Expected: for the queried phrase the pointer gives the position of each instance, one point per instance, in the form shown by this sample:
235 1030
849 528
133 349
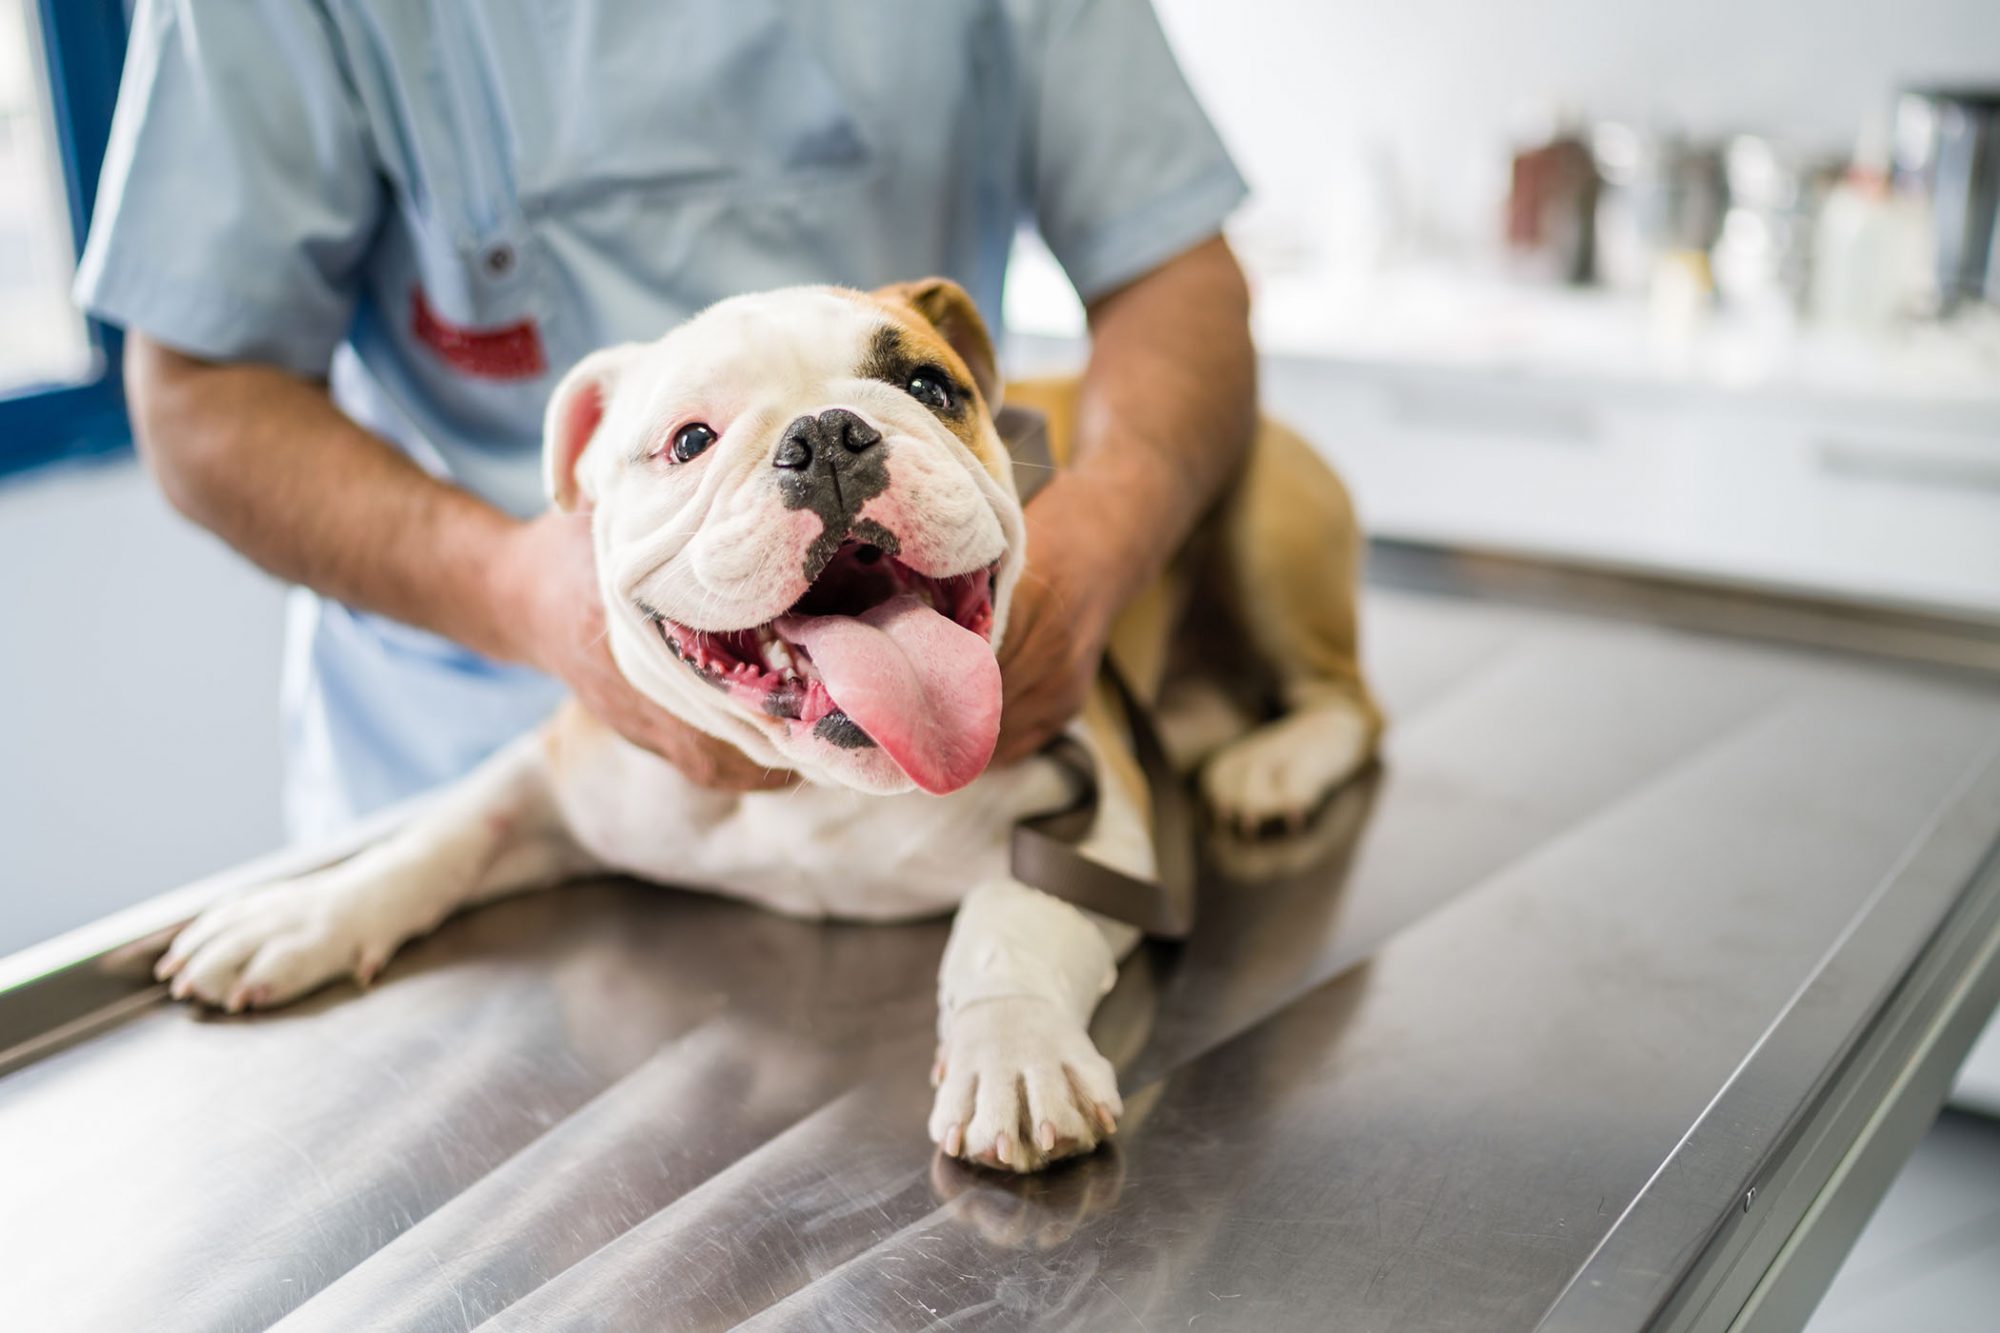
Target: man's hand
1057 625
1165 417
550 572
267 462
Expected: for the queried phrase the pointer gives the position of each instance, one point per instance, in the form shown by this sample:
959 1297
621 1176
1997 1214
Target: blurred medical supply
1902 230
1551 200
1872 258
1948 148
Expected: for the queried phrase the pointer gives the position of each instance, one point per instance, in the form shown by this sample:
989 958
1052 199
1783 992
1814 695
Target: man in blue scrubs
356 243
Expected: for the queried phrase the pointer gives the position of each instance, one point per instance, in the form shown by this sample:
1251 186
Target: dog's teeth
777 655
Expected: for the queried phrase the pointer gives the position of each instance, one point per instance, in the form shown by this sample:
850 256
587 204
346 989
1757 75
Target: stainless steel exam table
1612 1001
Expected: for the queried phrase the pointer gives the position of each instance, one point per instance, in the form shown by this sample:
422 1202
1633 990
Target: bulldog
808 534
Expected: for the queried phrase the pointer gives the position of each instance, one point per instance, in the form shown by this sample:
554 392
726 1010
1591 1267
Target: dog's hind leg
1290 561
496 832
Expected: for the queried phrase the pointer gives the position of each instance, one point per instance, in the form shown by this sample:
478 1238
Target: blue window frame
84 44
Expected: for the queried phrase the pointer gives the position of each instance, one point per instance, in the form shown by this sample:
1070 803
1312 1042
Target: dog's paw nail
937 1072
954 1141
1046 1139
164 969
369 967
1003 1148
179 990
1106 1121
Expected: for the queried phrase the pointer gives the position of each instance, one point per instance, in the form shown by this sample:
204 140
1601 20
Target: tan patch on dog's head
936 324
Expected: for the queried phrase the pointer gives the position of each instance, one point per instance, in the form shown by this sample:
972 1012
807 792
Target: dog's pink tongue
924 688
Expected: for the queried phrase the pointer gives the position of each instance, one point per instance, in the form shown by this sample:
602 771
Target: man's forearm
1167 414
268 463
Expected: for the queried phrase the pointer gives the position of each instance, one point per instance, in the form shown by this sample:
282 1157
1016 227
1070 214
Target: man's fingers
735 772
1015 750
712 763
1027 727
731 769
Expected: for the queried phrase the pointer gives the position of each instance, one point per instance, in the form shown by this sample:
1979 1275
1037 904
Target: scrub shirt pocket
577 182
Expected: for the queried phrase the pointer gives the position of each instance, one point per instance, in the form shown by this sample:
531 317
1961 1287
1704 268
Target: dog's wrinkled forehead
806 342
745 352
752 363
798 335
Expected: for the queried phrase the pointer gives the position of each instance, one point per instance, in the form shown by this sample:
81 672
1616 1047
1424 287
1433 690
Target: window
59 62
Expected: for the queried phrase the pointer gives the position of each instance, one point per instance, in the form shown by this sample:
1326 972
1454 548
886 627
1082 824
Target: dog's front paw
1021 1086
279 942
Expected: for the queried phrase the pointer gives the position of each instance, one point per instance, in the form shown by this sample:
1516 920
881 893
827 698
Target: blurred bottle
1873 253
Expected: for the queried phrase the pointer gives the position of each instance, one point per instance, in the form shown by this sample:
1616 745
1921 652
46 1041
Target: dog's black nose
851 431
838 425
829 464
834 428
795 446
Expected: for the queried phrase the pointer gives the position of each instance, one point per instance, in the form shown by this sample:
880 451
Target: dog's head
806 527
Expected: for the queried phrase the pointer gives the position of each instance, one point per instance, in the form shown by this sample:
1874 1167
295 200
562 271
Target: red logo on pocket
511 352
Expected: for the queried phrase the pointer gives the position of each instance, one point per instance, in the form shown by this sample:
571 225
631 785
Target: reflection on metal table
1611 1001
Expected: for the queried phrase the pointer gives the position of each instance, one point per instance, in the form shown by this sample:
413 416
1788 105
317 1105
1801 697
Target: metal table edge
1804 1264
62 990
1742 1179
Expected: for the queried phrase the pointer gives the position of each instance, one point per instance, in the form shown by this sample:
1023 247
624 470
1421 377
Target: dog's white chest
809 850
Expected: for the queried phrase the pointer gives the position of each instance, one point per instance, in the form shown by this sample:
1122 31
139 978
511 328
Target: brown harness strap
1044 849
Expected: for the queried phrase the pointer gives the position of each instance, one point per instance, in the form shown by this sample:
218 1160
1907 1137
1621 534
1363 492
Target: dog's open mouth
874 653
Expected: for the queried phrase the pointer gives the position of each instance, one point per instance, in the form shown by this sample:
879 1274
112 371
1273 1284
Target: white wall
138 700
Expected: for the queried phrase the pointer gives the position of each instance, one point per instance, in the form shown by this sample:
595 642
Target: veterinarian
355 243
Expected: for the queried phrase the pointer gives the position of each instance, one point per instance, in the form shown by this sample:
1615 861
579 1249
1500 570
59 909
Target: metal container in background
1662 196
1947 142
1763 254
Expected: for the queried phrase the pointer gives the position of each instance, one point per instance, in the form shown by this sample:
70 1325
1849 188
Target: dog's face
806 527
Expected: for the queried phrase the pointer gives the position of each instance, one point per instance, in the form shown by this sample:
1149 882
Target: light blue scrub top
440 207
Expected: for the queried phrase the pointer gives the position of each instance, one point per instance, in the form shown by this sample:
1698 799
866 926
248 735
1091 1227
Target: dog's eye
931 387
691 440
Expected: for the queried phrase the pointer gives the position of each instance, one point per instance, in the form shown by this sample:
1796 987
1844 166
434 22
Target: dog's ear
576 410
946 307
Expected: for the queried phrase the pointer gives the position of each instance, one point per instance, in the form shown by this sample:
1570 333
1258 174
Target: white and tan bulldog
807 536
